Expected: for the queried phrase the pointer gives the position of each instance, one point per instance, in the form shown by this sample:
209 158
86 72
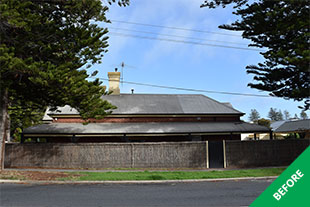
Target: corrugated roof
168 104
276 124
294 126
145 128
162 104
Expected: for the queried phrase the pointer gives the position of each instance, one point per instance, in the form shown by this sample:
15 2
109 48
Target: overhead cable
186 42
188 89
175 28
178 36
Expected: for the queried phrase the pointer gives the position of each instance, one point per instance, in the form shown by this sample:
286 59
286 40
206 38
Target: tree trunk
4 116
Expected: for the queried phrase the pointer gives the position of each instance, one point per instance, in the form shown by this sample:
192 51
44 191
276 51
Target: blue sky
184 65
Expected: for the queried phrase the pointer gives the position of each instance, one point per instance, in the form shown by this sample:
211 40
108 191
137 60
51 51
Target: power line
179 36
175 28
189 89
186 42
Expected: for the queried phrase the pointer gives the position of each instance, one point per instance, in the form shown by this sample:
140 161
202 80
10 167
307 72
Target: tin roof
145 128
294 126
130 104
276 124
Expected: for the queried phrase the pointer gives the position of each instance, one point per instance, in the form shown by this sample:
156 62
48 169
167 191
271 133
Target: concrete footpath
137 170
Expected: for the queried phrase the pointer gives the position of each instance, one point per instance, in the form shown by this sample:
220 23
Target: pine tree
286 114
280 115
275 115
303 115
296 116
46 47
272 114
254 115
282 28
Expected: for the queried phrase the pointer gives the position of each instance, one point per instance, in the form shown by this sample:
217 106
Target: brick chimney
114 78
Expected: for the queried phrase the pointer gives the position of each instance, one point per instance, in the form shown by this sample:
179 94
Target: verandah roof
146 128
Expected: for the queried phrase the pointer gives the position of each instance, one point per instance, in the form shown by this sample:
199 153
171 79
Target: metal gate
216 156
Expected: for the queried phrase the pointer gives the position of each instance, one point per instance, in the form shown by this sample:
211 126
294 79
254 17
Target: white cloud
182 13
214 68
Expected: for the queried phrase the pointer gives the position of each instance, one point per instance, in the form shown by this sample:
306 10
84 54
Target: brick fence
237 154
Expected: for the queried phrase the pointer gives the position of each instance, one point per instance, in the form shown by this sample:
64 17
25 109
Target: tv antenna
123 65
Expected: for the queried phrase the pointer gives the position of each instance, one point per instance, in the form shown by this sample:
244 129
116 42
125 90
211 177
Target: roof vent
132 91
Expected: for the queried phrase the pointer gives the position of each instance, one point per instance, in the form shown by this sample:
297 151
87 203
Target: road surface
222 193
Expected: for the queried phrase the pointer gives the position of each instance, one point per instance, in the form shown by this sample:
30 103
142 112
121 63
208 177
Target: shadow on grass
156 177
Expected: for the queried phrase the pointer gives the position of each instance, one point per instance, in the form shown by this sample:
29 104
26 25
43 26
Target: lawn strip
171 175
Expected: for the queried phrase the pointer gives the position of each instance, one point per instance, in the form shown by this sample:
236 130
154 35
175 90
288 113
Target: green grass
172 175
11 178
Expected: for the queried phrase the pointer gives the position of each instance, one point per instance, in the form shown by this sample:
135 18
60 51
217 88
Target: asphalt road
223 193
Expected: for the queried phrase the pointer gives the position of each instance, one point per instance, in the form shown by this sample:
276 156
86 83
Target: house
266 136
283 129
301 127
274 126
147 118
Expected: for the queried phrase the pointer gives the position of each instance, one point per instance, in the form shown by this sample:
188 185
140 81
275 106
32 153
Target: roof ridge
188 95
297 120
288 121
221 103
161 94
163 104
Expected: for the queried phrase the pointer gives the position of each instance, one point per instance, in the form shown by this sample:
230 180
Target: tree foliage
254 115
275 115
21 118
282 28
120 2
286 115
46 47
296 116
303 115
264 122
